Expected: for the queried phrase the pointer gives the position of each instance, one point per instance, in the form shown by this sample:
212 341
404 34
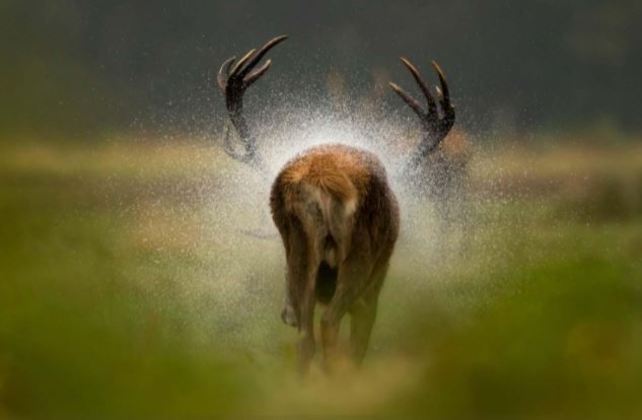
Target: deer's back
337 194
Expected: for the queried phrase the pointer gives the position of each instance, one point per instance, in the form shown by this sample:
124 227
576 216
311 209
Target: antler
435 127
233 80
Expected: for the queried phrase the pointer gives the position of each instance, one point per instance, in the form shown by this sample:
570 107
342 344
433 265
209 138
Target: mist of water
234 288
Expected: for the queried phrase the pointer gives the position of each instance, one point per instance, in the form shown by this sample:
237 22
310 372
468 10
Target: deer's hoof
288 316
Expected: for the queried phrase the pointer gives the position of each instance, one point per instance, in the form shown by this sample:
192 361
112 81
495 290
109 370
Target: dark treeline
87 65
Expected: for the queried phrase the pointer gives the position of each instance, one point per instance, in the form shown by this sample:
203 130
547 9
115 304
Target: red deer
336 214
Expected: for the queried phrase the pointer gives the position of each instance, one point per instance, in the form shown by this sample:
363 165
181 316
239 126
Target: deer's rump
315 197
325 216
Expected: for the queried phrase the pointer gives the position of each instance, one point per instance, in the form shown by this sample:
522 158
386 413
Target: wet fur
339 221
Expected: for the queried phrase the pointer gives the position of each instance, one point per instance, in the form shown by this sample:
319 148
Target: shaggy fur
339 222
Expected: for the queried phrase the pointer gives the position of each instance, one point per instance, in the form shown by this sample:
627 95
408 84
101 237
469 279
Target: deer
335 211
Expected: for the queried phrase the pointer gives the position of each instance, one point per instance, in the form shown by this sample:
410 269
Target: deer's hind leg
308 247
303 261
306 312
352 278
363 314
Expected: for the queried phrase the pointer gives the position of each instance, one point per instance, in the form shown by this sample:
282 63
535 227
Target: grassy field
126 290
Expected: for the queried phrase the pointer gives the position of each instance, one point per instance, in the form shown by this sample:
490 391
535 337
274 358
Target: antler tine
261 53
239 65
256 74
449 110
435 126
442 81
223 73
412 102
432 106
233 78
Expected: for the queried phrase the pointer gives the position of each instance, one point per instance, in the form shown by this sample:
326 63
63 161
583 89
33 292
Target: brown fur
339 221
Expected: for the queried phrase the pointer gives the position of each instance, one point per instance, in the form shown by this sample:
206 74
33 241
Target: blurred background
127 286
87 67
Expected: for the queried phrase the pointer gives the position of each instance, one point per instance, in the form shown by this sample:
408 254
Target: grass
126 291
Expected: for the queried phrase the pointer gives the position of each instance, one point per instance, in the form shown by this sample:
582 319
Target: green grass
126 291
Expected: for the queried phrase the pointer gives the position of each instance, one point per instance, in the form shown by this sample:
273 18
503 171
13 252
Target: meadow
127 289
